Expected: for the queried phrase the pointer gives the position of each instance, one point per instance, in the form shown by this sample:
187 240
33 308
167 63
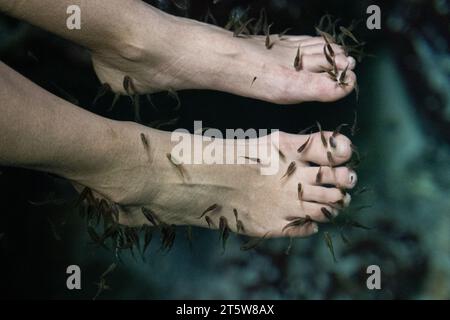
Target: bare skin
43 132
168 52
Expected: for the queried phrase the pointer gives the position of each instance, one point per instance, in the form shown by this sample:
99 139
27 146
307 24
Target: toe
324 195
341 177
319 212
324 89
318 49
297 231
318 62
323 149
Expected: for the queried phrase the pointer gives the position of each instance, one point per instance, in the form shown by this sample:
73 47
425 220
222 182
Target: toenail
315 229
351 62
352 178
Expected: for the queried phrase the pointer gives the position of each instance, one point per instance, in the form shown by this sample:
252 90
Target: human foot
194 55
144 177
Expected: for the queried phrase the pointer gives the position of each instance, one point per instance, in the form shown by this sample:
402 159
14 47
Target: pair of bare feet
207 57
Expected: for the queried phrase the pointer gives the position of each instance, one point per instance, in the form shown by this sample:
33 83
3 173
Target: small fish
104 89
332 75
253 81
102 286
231 22
297 222
114 102
56 202
326 34
103 207
304 145
239 224
322 135
150 216
337 131
322 22
240 227
209 222
236 214
290 170
283 33
115 212
211 208
300 191
167 237
210 18
253 243
298 60
150 100
224 231
329 243
127 85
164 123
361 190
110 232
145 143
342 77
347 32
328 37
174 95
257 160
181 4
189 235
268 43
86 194
327 213
328 56
306 129
325 22
259 23
319 176
329 48
32 56
110 269
54 230
280 153
132 236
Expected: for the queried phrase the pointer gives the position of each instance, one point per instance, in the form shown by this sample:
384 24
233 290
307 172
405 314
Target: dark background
404 120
